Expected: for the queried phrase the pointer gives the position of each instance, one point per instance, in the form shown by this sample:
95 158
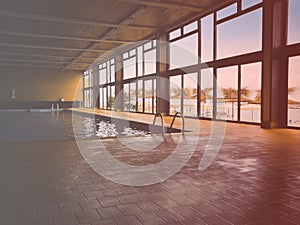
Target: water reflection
104 129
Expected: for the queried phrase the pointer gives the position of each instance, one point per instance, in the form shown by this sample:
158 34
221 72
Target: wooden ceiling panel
28 51
160 17
48 30
136 35
47 42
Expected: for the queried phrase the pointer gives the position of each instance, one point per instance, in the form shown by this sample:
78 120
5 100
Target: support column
119 84
275 64
95 103
163 85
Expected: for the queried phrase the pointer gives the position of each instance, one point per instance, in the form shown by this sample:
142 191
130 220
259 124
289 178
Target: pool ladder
182 121
162 122
174 117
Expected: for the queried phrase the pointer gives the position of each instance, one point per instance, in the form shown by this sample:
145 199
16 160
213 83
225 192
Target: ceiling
72 34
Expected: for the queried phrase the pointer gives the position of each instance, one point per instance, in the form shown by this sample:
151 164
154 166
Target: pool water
42 126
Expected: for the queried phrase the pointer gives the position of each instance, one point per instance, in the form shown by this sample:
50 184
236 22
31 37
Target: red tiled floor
255 179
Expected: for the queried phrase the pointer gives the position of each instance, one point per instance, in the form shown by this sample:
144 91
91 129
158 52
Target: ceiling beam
51 47
38 61
126 21
72 20
35 55
165 4
23 34
45 56
28 65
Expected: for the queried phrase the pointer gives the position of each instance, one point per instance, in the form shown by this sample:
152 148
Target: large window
107 75
227 94
88 78
140 61
206 93
175 94
87 88
294 92
240 35
139 87
183 94
207 38
293 25
88 98
190 90
107 72
184 46
107 97
140 96
239 93
250 93
233 93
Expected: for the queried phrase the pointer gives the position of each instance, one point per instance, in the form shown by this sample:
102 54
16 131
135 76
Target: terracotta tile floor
255 179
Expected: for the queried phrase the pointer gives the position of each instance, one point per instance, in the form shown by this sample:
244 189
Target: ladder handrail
162 122
182 121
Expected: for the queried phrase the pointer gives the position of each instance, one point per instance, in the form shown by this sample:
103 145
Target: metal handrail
162 122
182 121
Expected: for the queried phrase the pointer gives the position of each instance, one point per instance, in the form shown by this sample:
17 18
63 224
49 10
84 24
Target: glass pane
100 98
132 53
175 34
125 55
248 3
102 76
112 97
294 18
90 98
129 68
294 92
154 95
140 61
240 36
112 73
175 94
105 98
126 97
148 96
85 81
148 45
251 92
90 78
207 84
228 11
184 52
190 94
190 27
207 38
140 95
227 97
108 97
150 62
133 96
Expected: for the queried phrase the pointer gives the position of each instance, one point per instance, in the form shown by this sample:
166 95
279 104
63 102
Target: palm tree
175 92
229 93
291 91
245 92
187 93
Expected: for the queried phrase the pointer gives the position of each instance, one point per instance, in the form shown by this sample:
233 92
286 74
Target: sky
235 37
244 35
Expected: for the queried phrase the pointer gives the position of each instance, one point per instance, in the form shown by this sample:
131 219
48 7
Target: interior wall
39 84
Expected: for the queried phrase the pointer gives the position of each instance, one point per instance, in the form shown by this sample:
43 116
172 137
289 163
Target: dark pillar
95 71
275 64
119 85
163 84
